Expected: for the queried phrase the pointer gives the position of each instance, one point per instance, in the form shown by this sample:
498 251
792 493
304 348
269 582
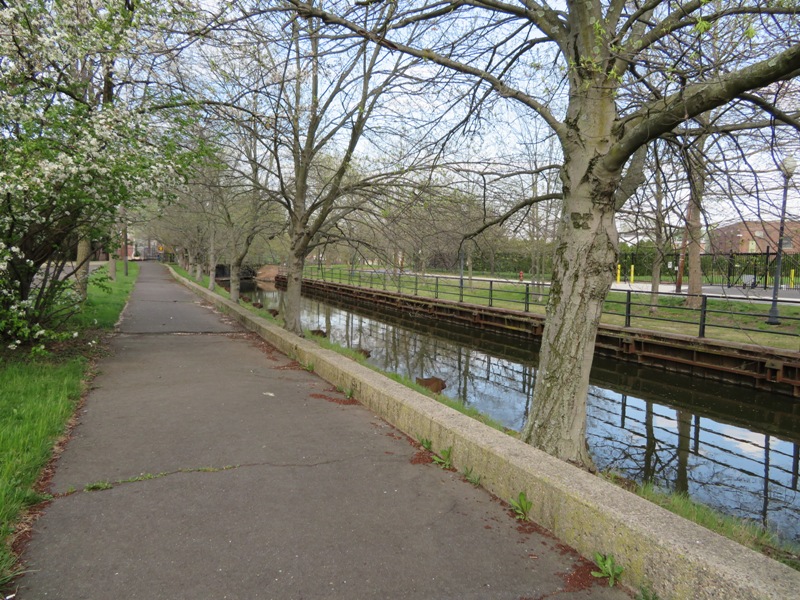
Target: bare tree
316 108
600 49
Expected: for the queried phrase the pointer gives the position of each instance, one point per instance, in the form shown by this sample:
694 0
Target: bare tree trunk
292 298
534 245
235 280
112 260
583 268
695 165
124 214
557 423
190 262
469 266
658 258
212 264
82 262
694 229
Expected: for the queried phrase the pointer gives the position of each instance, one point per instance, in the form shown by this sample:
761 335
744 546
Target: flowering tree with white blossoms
73 150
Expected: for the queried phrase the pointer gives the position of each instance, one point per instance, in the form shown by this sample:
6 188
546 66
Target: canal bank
677 559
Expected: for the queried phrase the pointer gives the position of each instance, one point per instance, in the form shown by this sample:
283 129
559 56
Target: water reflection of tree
464 355
640 455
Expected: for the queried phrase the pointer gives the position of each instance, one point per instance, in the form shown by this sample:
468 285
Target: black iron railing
724 316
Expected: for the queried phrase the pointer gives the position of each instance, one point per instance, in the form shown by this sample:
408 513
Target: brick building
754 236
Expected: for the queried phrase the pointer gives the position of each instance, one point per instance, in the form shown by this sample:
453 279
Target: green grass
37 398
203 281
748 533
106 298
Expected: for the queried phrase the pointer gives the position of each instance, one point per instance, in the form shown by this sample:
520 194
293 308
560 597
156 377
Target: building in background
753 237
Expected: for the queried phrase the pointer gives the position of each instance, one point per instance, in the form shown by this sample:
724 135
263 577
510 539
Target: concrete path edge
659 550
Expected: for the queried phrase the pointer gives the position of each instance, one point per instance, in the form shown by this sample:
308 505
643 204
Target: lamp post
787 168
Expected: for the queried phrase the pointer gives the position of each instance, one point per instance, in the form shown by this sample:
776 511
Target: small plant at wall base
521 506
444 460
472 477
646 593
608 568
426 444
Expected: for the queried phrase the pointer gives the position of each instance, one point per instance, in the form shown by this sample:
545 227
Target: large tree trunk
582 274
294 283
583 268
236 268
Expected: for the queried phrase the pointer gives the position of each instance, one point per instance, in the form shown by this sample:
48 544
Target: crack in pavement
107 485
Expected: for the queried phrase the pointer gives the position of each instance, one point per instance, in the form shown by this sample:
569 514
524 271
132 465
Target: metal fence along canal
733 315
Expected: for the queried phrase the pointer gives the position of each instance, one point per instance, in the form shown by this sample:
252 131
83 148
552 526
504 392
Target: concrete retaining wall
672 556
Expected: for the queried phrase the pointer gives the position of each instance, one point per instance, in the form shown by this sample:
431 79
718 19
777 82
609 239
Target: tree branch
657 118
496 83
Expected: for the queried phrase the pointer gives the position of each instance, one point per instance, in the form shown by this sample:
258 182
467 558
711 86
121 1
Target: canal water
732 448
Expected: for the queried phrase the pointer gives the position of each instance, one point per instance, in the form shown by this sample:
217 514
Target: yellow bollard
631 273
619 271
791 279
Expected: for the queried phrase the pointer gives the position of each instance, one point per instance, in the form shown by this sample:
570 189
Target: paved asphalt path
236 474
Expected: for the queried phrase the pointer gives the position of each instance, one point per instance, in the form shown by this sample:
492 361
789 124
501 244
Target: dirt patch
291 366
580 577
271 352
267 272
344 401
422 457
564 550
530 528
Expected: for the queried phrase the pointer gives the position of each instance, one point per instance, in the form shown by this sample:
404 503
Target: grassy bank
38 397
203 281
748 533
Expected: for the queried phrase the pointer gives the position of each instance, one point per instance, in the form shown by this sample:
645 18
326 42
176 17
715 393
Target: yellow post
631 273
791 279
619 271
